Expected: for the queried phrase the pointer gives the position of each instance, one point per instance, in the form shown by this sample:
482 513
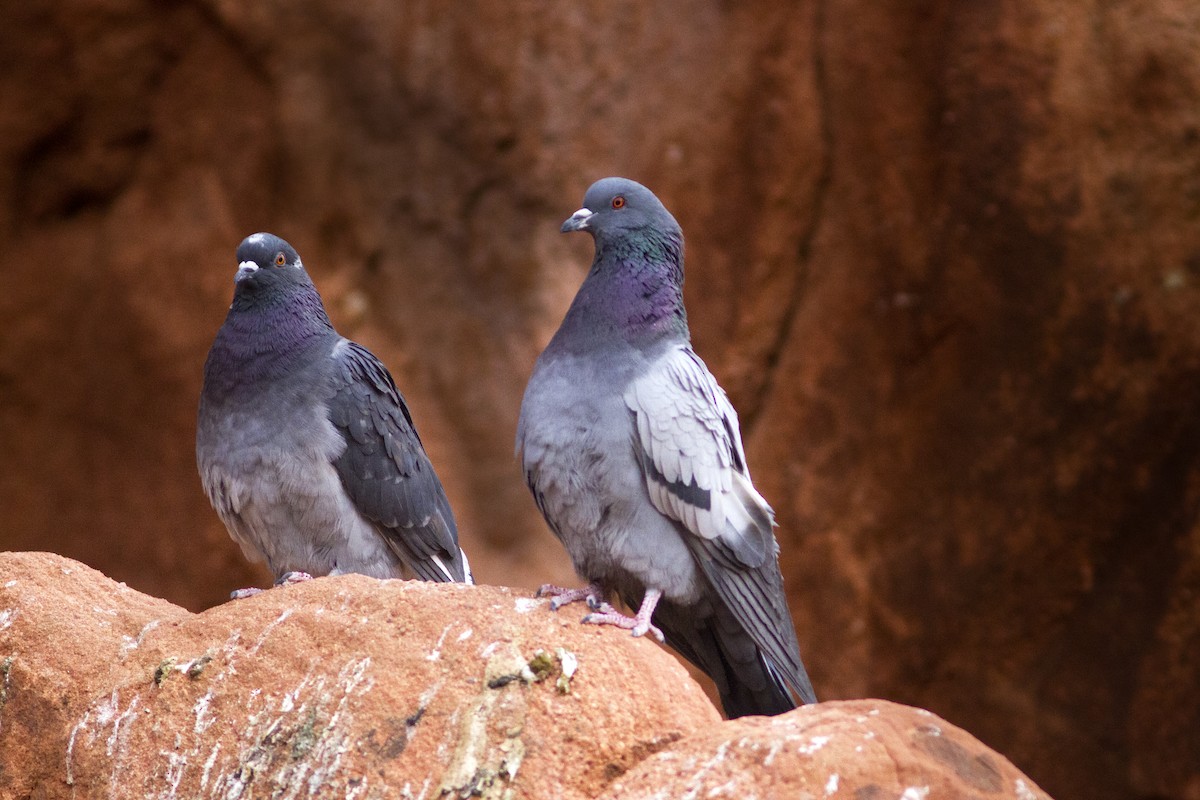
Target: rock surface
340 687
357 688
943 256
863 749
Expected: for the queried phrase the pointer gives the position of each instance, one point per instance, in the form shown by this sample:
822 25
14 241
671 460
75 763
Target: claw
632 624
289 578
286 579
598 605
637 625
561 596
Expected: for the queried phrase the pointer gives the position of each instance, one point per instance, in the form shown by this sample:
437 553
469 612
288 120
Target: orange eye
618 202
280 259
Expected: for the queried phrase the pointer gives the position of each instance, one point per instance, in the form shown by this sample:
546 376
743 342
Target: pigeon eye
280 259
618 202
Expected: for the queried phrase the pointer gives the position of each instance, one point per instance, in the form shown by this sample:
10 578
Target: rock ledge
352 687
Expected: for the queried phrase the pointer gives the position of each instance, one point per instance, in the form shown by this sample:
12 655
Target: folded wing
385 470
690 448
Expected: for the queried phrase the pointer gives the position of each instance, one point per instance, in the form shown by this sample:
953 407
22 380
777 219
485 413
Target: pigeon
634 456
305 446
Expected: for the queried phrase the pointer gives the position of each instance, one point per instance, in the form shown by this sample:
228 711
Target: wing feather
689 442
385 470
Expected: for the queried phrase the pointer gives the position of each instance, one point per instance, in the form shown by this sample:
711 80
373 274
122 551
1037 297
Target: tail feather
717 645
755 697
752 687
424 562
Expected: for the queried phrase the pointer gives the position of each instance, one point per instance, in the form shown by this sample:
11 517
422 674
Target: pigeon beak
245 270
578 221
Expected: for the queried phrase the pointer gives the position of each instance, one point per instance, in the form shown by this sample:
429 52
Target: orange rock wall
944 257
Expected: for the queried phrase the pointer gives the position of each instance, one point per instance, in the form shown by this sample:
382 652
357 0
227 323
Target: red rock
338 687
856 749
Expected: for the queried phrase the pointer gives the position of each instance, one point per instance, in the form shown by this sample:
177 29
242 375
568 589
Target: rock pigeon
634 456
305 446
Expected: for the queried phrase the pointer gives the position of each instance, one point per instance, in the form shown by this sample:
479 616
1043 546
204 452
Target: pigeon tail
757 695
718 646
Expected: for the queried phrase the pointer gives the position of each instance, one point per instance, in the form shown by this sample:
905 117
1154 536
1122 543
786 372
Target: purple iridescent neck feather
266 334
632 295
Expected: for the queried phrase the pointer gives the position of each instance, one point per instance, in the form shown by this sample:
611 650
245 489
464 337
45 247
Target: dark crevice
234 39
59 178
475 195
774 354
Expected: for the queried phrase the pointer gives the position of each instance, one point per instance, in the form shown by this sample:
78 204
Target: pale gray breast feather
223 491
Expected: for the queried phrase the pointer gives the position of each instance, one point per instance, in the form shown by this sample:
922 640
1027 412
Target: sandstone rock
342 687
863 749
67 634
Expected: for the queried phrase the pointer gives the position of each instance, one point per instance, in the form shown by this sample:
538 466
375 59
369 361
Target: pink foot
289 578
561 596
286 579
639 624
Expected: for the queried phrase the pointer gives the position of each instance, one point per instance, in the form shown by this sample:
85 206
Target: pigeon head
267 263
619 207
635 285
271 278
276 315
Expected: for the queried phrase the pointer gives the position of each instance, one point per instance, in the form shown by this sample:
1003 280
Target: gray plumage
634 456
304 444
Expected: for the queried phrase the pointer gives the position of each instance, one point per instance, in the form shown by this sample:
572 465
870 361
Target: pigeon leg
561 595
289 578
639 624
242 594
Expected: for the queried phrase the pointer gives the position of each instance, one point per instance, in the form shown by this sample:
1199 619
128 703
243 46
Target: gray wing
385 470
691 452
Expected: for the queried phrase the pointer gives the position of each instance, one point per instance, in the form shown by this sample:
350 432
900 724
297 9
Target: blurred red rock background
945 257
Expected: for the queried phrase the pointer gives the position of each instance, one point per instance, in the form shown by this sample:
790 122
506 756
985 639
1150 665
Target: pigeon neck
633 294
266 337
